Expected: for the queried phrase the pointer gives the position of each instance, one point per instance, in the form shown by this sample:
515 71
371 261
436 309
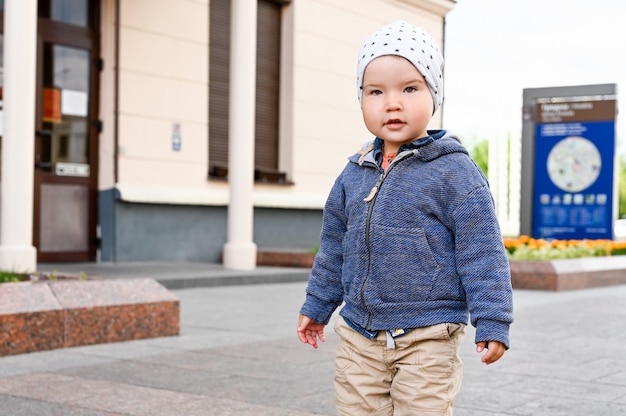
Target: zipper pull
372 194
374 190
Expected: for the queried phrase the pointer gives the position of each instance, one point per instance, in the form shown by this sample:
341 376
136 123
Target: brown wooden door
66 131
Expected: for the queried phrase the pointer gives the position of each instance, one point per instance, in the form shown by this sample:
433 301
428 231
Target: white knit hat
410 42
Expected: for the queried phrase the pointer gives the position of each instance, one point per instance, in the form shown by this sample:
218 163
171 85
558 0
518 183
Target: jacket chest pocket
402 264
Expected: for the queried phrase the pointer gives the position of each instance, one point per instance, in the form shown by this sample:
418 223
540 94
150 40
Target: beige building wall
163 81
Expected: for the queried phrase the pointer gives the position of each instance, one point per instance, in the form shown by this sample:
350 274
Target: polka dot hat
410 42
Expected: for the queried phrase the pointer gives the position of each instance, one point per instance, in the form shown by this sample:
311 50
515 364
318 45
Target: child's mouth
394 122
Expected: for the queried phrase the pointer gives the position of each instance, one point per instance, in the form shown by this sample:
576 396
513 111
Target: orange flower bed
527 248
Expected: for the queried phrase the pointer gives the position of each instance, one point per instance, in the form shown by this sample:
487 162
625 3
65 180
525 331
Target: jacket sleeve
324 291
483 266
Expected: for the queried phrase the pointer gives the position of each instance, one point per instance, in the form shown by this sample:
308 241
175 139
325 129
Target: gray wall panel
159 232
287 228
146 232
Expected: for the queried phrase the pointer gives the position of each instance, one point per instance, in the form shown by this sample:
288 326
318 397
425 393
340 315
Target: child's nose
394 102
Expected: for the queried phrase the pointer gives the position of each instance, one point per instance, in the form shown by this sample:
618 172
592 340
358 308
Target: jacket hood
438 143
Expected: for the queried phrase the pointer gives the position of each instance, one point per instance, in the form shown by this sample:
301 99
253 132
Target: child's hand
309 331
495 350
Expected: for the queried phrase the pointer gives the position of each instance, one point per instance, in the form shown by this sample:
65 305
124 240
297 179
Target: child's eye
376 92
410 89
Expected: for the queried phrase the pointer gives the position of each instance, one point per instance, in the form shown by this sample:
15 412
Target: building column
17 252
240 250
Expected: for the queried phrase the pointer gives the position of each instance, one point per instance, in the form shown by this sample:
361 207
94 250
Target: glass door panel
65 98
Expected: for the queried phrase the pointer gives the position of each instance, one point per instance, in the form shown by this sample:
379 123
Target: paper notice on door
72 169
74 103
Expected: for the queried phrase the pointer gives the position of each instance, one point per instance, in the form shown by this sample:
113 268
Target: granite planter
568 274
45 315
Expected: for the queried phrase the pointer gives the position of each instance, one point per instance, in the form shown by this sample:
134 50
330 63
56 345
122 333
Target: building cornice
439 7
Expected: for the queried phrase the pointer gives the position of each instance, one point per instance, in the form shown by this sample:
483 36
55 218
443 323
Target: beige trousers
418 373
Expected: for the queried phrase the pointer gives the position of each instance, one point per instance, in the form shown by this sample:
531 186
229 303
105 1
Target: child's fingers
302 336
307 337
309 331
495 351
312 339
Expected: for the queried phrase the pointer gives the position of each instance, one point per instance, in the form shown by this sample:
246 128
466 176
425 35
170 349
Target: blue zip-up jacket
416 246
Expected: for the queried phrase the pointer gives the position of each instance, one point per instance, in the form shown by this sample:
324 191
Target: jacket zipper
371 199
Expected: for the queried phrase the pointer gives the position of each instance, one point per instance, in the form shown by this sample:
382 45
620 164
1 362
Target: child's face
397 105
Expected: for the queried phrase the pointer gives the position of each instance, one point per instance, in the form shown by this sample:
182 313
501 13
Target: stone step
45 315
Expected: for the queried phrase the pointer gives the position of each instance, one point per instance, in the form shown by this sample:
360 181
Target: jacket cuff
488 330
317 310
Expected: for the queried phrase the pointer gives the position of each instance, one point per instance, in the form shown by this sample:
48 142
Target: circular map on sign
574 164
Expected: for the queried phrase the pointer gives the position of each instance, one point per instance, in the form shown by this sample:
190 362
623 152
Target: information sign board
574 169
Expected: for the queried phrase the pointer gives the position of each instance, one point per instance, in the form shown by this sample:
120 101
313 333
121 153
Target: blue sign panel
573 180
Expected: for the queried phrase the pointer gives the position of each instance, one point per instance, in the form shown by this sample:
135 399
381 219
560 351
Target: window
73 12
267 90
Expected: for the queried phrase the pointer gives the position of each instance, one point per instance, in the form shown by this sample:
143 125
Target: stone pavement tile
293 363
221 407
561 406
486 399
149 375
123 350
46 361
270 311
262 391
234 389
264 374
131 400
567 389
618 377
48 387
18 406
192 339
459 411
90 394
585 369
262 360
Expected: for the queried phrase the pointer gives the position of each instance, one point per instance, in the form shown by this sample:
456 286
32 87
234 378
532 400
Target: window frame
268 91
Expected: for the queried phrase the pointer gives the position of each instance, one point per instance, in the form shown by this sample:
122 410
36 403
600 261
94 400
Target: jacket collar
371 153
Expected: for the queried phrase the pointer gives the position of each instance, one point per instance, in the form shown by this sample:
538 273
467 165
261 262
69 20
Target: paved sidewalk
238 355
180 275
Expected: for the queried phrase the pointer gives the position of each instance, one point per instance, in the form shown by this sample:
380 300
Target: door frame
49 31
